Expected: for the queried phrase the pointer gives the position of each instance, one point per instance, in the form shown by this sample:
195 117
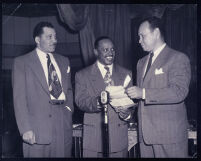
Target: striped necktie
53 80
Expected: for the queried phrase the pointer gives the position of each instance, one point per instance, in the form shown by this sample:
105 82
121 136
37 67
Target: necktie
107 79
149 63
53 80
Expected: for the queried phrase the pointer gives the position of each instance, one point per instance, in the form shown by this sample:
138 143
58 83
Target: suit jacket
88 86
31 96
162 115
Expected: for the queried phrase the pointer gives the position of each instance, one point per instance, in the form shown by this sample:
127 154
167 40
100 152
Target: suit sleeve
19 96
83 99
128 113
179 75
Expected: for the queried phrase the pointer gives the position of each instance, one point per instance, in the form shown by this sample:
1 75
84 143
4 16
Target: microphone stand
105 132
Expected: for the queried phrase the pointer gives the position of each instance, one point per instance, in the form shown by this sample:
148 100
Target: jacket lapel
141 67
96 78
37 68
160 60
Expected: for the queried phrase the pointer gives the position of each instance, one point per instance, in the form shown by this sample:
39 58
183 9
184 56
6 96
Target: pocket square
68 70
158 71
68 108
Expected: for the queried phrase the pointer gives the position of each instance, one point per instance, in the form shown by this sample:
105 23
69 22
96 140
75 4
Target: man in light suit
163 79
43 98
89 83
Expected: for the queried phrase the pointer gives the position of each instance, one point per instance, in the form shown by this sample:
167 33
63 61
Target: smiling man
89 83
43 98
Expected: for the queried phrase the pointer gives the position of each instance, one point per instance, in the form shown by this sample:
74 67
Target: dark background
18 20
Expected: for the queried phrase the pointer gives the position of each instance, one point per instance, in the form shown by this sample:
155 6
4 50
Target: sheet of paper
126 81
124 102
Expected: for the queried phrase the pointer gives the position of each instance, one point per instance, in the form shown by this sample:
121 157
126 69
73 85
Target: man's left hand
134 92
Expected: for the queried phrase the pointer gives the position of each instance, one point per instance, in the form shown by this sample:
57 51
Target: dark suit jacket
88 86
162 116
31 96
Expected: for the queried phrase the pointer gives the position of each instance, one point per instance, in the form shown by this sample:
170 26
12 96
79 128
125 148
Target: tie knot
48 56
106 68
151 54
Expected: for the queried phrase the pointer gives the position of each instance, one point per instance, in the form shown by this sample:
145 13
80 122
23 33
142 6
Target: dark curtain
181 34
111 20
76 16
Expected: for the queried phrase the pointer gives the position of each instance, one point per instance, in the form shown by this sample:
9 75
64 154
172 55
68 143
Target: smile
109 57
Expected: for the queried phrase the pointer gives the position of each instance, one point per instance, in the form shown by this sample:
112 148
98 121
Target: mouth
109 58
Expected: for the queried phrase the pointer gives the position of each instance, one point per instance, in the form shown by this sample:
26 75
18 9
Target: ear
96 52
157 32
37 40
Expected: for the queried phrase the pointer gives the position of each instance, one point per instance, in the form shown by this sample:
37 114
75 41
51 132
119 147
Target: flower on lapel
159 71
68 69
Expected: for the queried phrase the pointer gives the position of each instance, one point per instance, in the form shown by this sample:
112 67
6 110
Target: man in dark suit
43 98
89 83
163 79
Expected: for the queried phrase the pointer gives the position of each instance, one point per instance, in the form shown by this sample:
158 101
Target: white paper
126 81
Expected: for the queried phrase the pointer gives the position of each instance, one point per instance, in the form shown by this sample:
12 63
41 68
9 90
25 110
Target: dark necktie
149 63
53 80
107 79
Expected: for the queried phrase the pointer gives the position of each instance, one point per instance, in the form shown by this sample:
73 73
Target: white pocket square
158 71
68 70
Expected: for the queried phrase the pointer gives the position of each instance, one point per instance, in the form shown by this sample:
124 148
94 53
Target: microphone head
104 97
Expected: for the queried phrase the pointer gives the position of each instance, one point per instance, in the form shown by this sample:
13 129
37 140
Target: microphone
104 97
104 101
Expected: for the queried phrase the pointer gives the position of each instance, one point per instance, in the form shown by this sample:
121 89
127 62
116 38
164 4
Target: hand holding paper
118 97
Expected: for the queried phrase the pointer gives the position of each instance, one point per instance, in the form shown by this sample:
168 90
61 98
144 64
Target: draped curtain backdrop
94 20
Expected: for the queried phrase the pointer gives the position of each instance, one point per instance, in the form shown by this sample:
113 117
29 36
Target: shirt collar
101 66
157 52
42 53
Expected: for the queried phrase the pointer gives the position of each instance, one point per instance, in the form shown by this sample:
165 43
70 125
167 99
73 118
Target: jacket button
50 115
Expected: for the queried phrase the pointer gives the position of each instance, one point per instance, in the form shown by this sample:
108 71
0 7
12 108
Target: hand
124 114
29 137
134 92
117 108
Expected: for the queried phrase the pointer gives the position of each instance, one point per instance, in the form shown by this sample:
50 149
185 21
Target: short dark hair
38 30
96 43
155 22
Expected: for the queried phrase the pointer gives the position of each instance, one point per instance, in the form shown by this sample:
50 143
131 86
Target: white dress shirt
103 70
43 59
156 53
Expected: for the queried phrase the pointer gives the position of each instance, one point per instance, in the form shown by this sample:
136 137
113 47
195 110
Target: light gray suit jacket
31 96
162 116
88 86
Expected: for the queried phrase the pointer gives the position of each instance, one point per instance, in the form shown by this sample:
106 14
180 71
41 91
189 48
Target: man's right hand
29 137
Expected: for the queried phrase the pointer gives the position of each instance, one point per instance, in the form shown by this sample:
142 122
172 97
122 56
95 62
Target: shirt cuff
143 93
129 116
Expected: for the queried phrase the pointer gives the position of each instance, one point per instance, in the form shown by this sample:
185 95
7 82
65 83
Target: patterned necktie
149 63
107 79
54 83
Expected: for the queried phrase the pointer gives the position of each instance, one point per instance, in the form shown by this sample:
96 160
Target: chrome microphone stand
105 132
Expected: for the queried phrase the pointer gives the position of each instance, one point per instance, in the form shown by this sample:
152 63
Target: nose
54 40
